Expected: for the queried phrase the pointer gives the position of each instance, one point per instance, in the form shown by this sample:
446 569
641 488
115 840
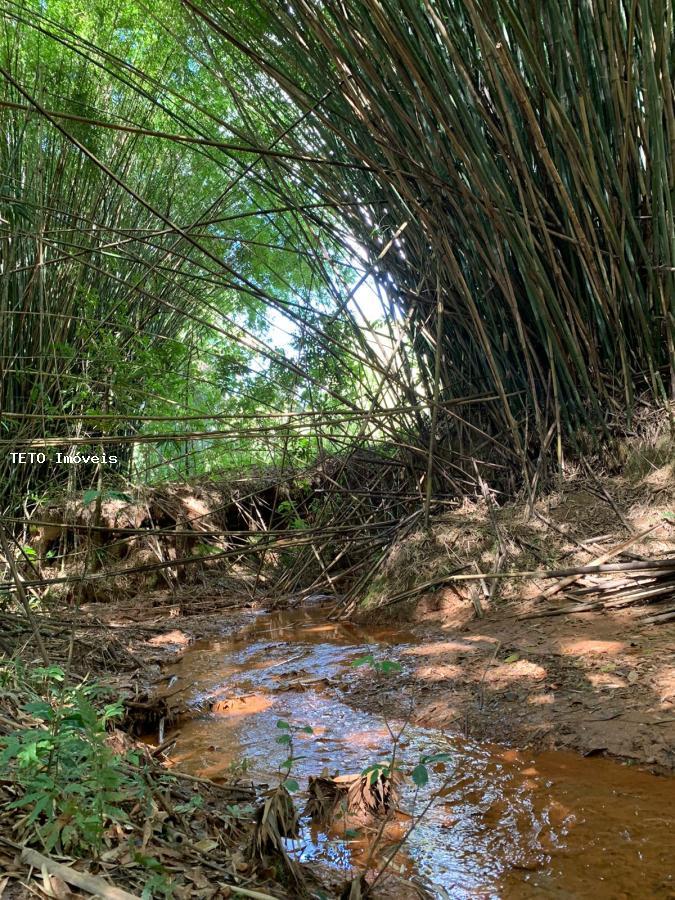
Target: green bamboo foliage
507 166
82 297
529 150
143 245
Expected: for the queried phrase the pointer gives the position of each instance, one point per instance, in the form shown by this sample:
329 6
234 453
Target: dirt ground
599 682
596 683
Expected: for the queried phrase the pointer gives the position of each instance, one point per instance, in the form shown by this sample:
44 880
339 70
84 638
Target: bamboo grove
500 172
528 155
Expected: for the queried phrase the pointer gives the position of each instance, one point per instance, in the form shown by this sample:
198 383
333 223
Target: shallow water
509 824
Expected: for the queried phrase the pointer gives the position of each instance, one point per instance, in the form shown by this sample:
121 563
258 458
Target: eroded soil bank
498 660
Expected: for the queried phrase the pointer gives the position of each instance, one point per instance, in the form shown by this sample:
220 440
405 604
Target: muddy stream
510 824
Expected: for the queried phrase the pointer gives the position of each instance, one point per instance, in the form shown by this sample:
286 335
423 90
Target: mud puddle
509 824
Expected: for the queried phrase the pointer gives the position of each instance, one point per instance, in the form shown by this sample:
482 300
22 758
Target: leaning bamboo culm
529 149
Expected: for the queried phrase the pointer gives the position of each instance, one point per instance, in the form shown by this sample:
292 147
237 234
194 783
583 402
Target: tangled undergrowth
75 787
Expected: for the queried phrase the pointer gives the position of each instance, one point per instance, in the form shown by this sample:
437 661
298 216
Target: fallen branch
600 560
246 790
92 884
648 565
247 892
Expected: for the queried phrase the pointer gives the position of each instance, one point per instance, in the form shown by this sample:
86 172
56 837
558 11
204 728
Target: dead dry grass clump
276 821
356 798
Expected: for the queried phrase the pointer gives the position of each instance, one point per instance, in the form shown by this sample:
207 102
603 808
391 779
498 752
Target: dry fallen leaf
205 845
147 833
197 877
53 886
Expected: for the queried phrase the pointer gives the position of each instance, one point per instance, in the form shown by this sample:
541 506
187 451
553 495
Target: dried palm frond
276 821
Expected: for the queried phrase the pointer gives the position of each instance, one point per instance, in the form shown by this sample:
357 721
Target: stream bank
593 683
509 659
484 679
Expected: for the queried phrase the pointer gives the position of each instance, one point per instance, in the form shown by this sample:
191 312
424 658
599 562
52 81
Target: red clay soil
597 683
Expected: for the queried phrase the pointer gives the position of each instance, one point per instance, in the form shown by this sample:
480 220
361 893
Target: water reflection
508 824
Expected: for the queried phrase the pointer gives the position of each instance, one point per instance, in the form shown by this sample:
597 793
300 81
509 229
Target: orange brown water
509 824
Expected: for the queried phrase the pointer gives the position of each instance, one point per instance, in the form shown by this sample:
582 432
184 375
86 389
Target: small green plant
158 883
204 549
383 666
195 802
420 772
74 784
379 770
240 811
238 768
288 509
286 739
